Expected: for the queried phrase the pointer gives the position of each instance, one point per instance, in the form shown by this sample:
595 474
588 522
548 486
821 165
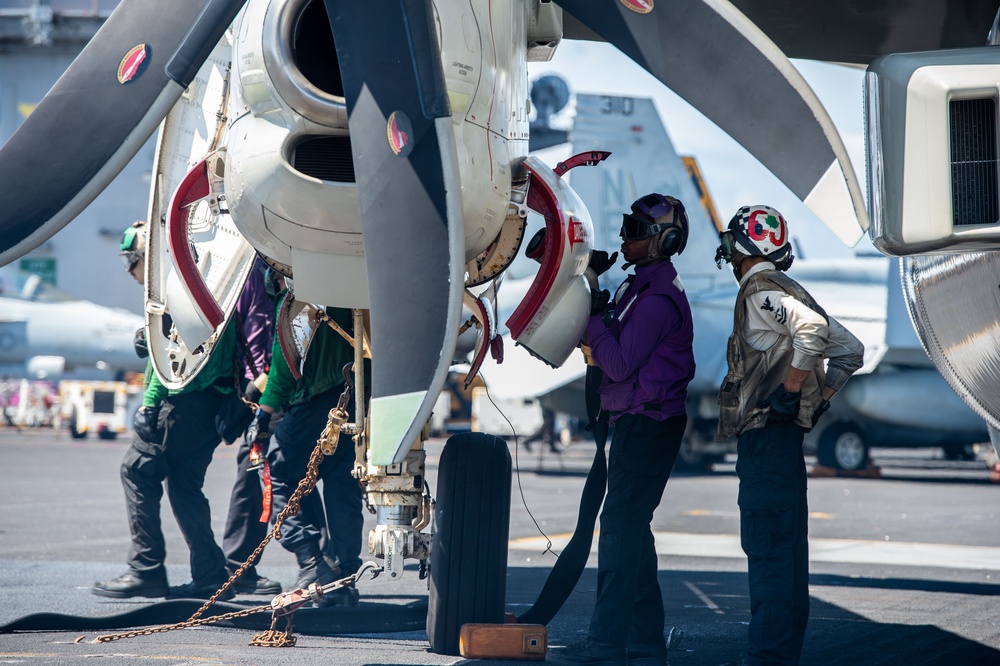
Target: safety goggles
130 258
634 228
727 247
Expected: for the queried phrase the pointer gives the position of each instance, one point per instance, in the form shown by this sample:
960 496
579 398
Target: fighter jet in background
46 333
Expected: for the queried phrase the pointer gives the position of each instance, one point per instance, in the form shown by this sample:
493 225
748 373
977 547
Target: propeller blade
409 198
100 112
726 67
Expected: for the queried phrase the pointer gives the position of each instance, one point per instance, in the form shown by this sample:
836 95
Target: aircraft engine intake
301 59
290 178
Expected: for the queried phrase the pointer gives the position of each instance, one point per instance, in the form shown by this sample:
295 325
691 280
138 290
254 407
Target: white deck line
851 551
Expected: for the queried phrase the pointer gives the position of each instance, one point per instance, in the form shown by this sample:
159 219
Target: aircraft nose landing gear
403 508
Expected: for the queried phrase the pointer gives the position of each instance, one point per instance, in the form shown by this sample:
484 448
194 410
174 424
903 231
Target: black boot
314 567
133 584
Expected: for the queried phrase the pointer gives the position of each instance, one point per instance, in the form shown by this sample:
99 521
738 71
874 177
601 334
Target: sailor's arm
846 356
785 315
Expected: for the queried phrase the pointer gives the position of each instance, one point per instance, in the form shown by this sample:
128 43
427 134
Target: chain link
274 638
149 631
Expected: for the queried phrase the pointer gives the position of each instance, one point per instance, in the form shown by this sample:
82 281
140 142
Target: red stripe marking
193 188
542 200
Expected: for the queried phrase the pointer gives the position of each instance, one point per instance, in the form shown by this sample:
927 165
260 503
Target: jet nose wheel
843 446
469 552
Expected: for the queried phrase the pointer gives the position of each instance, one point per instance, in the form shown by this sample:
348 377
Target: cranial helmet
757 231
133 245
661 216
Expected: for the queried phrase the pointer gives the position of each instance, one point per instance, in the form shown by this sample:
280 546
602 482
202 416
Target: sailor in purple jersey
244 530
643 346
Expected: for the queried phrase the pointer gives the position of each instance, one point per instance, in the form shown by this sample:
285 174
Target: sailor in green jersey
307 403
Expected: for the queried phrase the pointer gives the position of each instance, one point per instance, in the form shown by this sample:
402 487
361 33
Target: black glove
147 425
599 301
784 405
821 409
600 262
139 343
260 428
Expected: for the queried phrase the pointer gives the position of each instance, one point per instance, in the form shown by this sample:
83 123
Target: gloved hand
824 405
260 428
784 404
600 262
599 301
139 343
147 425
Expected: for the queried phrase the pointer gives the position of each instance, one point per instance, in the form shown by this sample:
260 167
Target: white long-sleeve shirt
771 314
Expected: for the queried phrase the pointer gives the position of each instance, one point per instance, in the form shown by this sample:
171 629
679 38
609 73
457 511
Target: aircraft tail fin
643 160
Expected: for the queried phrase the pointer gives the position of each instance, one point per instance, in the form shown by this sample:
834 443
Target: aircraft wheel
842 446
468 562
73 431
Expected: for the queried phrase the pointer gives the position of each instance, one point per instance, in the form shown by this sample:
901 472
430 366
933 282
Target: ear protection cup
675 239
670 243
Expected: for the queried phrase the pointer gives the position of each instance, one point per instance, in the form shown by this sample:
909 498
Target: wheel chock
503 641
869 472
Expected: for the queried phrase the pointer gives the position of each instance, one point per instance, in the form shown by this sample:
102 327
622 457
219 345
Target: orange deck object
503 641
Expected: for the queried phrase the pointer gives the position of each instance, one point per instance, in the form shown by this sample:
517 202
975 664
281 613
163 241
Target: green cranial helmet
133 245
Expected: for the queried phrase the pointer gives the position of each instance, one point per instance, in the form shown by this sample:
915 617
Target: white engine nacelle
932 123
290 181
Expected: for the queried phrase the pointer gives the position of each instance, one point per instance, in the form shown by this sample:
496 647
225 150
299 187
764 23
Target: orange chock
503 641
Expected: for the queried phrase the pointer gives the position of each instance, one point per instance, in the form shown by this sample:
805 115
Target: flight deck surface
905 569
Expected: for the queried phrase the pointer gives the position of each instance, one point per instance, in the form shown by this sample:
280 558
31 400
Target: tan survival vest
754 374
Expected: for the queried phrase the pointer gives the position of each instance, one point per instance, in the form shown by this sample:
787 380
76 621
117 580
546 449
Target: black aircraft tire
468 563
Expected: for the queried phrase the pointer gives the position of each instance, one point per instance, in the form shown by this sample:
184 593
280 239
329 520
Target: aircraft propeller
100 112
407 177
726 67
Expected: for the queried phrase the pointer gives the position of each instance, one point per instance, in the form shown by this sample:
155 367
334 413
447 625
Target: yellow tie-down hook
338 416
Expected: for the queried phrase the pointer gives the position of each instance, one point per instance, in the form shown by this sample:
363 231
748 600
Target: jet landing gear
468 552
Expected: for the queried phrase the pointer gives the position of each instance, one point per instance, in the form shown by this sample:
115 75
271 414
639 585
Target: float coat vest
753 375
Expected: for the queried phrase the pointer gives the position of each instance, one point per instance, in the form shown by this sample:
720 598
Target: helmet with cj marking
756 231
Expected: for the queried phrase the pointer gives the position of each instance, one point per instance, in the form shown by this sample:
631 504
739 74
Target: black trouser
774 526
629 607
181 460
244 530
289 453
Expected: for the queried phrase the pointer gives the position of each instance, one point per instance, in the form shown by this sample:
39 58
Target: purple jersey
645 350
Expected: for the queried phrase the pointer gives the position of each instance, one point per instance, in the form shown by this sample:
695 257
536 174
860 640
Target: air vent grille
974 183
326 158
